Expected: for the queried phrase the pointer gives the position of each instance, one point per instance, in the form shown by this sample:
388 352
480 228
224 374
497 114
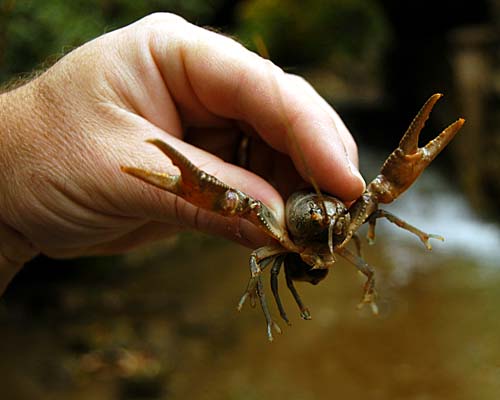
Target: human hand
64 136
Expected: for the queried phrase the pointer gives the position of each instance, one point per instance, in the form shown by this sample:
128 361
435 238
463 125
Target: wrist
16 114
15 251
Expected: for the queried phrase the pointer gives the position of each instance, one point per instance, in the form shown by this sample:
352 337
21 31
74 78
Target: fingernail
356 173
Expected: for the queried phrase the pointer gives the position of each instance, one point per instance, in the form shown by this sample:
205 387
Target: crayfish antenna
331 248
263 51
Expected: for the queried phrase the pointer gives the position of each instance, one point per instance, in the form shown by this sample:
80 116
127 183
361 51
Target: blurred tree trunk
475 70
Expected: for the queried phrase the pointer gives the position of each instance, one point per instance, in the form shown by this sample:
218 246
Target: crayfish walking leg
275 270
259 260
369 289
424 237
269 320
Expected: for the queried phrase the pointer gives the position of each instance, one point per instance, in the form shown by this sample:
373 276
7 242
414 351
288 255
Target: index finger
207 70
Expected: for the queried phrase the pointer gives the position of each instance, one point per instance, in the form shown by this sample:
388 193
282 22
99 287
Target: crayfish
318 226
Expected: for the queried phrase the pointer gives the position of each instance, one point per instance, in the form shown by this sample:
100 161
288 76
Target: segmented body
318 226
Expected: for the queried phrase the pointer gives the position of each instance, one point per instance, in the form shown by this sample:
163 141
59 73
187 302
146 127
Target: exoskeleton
318 226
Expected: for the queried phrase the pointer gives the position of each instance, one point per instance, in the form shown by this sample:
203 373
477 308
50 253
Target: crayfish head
306 219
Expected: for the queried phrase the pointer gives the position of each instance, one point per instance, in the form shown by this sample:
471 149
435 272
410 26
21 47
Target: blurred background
160 322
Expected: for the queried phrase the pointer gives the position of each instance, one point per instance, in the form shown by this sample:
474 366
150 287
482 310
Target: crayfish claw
434 147
209 193
192 184
409 141
405 164
161 180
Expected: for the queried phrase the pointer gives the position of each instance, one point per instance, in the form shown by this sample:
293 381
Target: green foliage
33 31
342 35
319 31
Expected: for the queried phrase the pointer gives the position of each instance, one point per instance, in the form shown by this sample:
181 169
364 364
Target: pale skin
65 134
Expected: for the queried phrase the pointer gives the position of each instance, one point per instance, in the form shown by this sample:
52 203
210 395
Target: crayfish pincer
318 226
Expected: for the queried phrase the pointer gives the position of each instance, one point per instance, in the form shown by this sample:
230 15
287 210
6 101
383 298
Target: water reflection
435 206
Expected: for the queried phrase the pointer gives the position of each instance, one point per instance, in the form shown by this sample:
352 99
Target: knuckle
299 80
351 144
160 25
161 18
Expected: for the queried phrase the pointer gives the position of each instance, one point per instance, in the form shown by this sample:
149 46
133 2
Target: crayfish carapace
318 226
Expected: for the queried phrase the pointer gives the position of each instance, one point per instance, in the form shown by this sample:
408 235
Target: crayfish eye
342 224
315 212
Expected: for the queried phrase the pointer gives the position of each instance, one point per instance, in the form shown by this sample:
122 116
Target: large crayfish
318 225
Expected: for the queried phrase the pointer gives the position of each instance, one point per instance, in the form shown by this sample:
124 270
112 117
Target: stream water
161 323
